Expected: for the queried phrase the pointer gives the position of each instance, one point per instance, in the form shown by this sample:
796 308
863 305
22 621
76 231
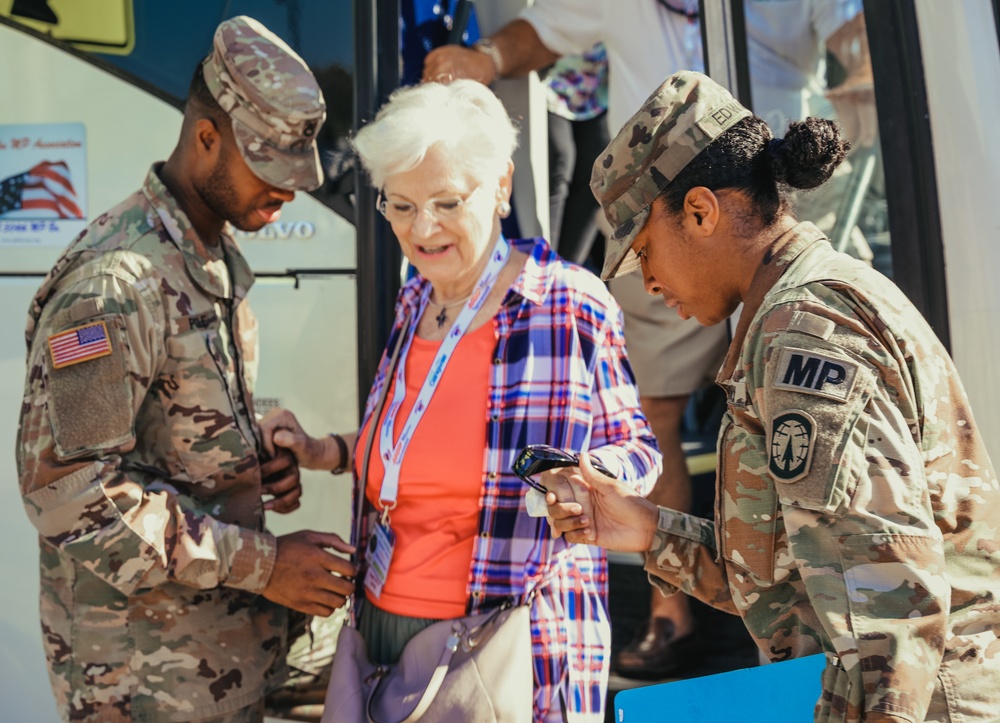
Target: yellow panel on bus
101 26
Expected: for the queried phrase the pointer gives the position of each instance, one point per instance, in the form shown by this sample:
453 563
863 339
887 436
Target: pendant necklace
442 318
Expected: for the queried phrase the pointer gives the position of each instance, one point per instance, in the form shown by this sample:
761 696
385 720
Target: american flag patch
79 345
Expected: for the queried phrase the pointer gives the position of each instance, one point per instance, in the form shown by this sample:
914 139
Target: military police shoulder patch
811 372
790 445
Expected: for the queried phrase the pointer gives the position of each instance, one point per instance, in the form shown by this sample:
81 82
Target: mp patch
79 345
800 370
790 445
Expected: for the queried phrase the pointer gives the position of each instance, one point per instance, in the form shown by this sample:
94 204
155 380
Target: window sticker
43 184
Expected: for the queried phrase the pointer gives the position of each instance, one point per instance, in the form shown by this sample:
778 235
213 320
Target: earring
503 209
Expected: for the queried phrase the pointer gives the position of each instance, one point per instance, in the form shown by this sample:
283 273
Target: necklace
442 318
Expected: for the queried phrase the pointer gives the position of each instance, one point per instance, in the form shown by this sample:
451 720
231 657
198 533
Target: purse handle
460 635
359 505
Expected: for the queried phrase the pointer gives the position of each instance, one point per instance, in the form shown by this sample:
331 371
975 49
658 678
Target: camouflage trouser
312 642
251 714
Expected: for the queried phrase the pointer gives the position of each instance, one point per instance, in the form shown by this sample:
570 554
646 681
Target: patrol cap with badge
273 99
676 123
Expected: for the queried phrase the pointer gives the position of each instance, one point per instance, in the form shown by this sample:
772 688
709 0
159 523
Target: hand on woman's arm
280 430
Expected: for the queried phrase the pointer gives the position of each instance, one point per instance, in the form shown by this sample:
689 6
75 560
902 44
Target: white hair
464 117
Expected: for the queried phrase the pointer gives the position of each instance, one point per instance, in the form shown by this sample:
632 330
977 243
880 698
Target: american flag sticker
80 344
43 191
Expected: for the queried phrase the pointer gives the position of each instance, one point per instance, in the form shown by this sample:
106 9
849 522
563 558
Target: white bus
97 85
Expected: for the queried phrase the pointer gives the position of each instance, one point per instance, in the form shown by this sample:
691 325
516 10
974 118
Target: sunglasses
537 458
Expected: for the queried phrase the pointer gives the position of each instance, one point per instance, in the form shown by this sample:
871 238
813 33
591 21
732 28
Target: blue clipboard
785 692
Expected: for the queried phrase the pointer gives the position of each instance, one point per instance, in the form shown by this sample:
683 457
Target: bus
98 86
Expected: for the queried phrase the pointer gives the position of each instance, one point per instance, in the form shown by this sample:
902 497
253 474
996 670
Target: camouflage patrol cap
273 99
680 119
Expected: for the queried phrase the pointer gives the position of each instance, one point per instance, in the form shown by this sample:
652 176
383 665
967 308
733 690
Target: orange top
436 518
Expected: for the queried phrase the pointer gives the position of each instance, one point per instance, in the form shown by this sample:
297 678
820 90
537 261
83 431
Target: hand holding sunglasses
537 458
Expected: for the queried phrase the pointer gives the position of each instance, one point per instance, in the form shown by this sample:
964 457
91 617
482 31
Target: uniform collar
778 259
221 271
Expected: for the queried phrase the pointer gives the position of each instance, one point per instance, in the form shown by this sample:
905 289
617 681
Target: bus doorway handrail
863 168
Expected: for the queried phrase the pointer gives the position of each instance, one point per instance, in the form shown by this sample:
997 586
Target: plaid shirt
560 377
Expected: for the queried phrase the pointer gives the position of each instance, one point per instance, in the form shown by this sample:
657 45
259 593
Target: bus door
916 197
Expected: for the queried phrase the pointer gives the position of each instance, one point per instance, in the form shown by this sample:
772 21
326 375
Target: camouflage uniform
139 469
857 509
138 446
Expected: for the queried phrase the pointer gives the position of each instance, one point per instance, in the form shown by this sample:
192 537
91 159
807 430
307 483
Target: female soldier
857 510
532 352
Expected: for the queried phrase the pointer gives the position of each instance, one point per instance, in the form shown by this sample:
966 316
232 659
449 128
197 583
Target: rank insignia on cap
80 344
790 445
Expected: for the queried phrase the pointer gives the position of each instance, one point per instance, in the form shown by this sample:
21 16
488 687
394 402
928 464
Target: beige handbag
474 669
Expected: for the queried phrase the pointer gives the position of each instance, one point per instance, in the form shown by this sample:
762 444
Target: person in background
525 348
163 596
577 93
858 506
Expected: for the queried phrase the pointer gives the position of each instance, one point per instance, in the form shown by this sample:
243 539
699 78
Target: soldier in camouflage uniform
163 597
857 508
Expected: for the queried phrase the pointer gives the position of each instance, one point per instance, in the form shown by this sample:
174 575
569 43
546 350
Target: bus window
810 58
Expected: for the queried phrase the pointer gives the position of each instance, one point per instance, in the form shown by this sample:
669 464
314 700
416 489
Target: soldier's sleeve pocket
746 503
817 446
889 578
90 399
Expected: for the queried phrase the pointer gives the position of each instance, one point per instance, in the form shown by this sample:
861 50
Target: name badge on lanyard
392 453
381 545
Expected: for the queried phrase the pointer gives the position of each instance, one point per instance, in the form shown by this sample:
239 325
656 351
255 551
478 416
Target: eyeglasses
440 209
537 458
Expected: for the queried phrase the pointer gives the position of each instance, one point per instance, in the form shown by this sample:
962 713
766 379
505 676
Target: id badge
380 546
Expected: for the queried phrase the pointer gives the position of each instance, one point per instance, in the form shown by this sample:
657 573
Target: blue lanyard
392 454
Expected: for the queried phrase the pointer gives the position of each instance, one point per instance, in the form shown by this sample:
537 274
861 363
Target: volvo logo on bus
280 231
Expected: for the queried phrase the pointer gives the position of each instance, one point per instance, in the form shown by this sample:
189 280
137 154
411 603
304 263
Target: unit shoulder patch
812 372
80 344
790 445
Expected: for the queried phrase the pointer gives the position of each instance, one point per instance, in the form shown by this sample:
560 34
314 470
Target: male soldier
857 506
162 594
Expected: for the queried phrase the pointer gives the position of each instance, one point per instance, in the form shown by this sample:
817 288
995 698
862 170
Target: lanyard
392 454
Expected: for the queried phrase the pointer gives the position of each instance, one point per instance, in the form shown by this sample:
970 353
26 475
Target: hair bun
808 154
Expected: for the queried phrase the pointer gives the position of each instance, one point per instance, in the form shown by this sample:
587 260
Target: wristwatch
488 47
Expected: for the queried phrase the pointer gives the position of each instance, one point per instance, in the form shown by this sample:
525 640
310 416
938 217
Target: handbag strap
375 415
458 632
359 504
435 683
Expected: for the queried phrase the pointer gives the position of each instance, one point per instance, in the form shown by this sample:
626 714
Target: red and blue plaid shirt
560 377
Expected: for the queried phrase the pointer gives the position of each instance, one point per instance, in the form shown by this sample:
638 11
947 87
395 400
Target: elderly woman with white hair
502 344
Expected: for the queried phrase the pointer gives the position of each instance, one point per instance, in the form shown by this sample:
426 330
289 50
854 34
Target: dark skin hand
591 508
519 45
307 577
280 479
